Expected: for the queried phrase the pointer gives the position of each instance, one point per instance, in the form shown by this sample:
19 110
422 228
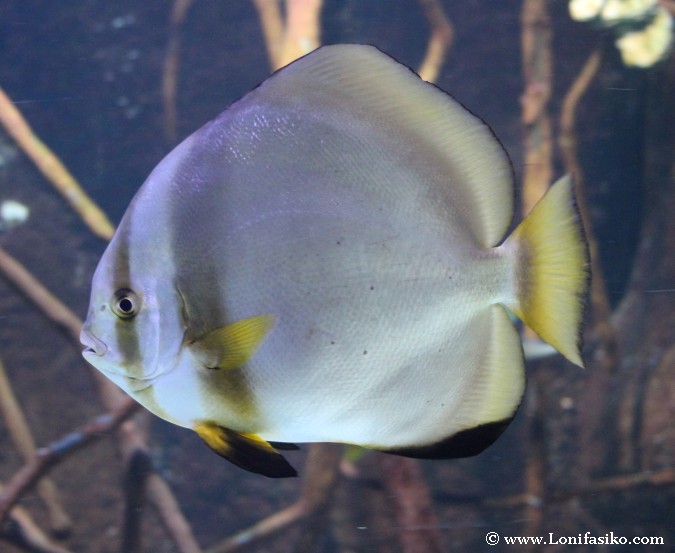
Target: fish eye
125 303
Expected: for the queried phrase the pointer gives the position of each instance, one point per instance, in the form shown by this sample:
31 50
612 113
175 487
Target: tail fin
553 270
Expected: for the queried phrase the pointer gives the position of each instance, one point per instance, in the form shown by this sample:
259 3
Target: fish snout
92 344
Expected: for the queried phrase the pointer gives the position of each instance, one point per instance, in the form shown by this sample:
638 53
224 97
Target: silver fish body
324 262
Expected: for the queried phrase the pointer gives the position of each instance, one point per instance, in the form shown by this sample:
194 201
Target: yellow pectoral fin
234 344
247 451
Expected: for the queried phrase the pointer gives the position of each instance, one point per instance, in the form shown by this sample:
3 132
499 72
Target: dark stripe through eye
125 305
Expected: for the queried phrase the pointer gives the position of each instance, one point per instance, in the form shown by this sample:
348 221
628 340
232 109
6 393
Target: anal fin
465 443
247 451
492 402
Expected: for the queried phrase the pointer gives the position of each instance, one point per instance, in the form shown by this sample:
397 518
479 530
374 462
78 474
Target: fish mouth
92 344
95 352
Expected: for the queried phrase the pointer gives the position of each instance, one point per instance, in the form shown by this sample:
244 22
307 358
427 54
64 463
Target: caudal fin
553 270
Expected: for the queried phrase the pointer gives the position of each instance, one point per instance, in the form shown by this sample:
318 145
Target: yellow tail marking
553 270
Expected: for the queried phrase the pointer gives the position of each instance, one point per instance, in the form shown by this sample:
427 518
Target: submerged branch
138 470
171 65
20 530
22 437
568 146
52 168
174 522
111 396
440 40
413 505
612 484
537 59
54 309
272 25
535 469
303 30
264 529
291 39
47 457
538 74
320 479
322 472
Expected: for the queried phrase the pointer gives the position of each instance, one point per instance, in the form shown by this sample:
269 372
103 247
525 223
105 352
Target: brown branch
20 277
538 72
413 506
613 484
345 514
171 65
49 456
651 432
320 479
111 396
22 437
567 140
20 530
133 445
362 501
139 467
52 168
303 30
174 522
272 25
535 469
265 529
55 310
115 400
623 482
537 175
440 40
568 146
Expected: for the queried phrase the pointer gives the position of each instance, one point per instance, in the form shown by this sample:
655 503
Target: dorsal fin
368 82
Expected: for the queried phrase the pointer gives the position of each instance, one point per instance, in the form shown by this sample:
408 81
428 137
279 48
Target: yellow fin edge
553 270
500 389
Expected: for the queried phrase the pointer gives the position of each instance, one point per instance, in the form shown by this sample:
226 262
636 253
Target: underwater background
112 87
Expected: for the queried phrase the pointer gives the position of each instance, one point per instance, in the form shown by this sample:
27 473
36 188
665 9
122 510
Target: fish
329 260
